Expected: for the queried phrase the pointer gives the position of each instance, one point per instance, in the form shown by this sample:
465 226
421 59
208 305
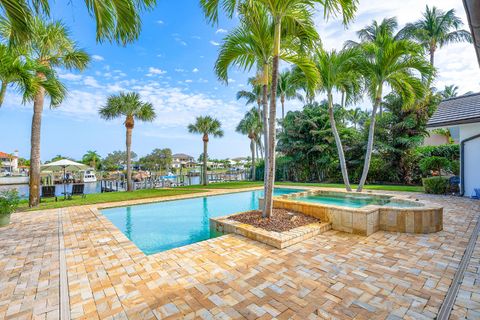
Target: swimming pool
161 226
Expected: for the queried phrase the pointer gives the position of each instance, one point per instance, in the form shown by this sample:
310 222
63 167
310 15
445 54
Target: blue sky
171 65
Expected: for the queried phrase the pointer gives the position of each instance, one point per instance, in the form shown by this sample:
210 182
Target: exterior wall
471 159
435 140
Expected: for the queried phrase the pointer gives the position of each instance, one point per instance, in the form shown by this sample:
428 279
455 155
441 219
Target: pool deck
72 263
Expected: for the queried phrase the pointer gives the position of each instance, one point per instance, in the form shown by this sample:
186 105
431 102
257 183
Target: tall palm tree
450 91
92 158
337 72
116 20
287 89
130 106
251 126
49 47
389 61
289 19
436 29
206 126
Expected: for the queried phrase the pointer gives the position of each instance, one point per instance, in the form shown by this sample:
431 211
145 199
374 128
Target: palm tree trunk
205 176
282 99
129 158
252 147
371 131
432 56
3 90
338 142
267 210
265 124
34 183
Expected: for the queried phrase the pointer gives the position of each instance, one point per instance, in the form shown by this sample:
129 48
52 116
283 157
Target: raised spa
366 213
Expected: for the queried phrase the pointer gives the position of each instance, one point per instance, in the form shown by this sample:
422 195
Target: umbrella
64 165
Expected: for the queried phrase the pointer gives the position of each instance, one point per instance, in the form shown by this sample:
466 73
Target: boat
88 176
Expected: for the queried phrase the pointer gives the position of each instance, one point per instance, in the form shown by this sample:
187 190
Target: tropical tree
436 29
158 159
387 61
254 96
450 91
357 117
337 72
251 126
92 158
287 89
206 126
290 19
116 160
130 106
116 20
49 48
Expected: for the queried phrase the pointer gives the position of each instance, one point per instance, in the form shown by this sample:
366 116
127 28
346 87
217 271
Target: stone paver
332 275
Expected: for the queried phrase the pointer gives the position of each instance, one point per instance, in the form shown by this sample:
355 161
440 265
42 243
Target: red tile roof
6 155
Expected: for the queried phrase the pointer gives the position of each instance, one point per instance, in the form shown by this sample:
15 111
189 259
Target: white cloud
188 81
214 43
97 57
220 30
195 70
160 22
231 80
180 70
70 76
153 70
91 82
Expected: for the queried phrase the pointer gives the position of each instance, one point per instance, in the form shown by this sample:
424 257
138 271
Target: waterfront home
183 160
8 163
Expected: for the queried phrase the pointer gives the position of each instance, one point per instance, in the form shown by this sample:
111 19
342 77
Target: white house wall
471 159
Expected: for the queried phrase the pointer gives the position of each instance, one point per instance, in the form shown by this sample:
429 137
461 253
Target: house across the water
462 115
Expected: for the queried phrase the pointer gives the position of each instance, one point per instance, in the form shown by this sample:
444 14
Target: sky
171 66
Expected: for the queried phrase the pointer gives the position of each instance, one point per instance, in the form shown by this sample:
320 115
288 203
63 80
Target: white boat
88 176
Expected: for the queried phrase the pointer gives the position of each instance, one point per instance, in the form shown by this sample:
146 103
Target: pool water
161 226
343 200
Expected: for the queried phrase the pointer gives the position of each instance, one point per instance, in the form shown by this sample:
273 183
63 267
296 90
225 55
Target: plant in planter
9 201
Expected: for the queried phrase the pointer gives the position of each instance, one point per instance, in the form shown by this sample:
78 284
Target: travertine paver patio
332 275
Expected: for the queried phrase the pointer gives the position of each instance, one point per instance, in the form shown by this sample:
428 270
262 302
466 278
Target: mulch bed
281 220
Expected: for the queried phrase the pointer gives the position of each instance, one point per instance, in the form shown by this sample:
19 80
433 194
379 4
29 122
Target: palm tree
49 47
337 72
130 106
92 158
450 91
255 95
251 126
357 116
389 61
437 29
290 20
206 126
116 20
287 89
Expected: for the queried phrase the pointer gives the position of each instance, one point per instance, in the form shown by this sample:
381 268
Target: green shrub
449 151
436 185
9 201
434 163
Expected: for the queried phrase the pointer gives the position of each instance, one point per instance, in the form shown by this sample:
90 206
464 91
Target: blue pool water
161 226
342 200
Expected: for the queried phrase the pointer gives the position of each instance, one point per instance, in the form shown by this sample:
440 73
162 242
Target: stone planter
4 219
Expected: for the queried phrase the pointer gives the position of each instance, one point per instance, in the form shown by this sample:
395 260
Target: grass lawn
367 187
249 184
229 185
107 197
